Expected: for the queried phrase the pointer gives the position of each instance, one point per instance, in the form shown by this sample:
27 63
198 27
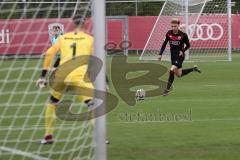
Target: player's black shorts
177 62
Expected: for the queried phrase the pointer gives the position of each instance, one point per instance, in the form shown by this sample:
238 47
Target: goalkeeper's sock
50 119
187 71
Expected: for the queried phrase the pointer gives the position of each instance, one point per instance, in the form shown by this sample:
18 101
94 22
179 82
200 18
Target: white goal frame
229 15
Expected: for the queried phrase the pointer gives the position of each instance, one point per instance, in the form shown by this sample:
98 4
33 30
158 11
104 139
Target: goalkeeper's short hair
79 20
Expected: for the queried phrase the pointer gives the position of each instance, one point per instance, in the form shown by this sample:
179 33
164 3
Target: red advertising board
30 36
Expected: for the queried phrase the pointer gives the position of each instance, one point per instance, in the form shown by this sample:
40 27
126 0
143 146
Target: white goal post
99 31
207 23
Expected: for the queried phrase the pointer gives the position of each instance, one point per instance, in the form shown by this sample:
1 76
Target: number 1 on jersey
74 47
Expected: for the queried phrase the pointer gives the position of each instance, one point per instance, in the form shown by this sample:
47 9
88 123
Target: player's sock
170 80
187 71
50 119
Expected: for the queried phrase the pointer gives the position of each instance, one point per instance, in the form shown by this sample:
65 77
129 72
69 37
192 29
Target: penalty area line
22 153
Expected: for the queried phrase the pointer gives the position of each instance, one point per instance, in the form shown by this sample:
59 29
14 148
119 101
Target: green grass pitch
210 132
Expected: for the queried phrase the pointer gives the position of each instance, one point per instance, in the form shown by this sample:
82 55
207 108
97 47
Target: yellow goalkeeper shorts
74 85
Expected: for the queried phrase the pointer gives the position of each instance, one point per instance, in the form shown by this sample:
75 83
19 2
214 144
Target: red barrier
29 36
235 31
115 31
211 31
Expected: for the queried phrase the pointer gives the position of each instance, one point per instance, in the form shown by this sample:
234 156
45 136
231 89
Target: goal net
205 21
25 31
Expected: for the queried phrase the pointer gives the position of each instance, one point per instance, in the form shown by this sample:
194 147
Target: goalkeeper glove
42 82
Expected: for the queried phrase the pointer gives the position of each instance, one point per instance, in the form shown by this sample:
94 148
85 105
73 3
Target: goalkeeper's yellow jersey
71 45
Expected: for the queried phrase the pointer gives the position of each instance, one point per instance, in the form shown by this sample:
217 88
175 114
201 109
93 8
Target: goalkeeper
83 45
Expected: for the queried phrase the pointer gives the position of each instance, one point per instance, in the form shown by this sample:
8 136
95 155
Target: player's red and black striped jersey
178 42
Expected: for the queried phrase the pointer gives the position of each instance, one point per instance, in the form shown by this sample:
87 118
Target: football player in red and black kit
179 44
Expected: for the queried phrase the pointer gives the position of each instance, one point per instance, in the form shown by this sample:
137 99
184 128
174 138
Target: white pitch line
216 119
210 85
21 153
186 121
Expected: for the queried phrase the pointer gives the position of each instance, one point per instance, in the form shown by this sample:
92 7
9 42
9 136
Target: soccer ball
140 94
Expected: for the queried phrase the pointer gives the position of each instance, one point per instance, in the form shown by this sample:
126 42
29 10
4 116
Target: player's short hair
79 20
175 21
